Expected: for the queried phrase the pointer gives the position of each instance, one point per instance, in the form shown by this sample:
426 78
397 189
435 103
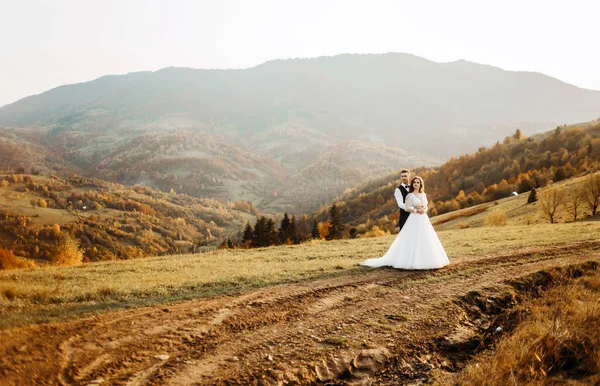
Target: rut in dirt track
347 330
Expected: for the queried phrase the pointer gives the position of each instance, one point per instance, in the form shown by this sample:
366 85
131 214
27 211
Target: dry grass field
54 293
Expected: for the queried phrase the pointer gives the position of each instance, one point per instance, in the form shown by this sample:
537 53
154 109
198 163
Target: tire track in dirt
340 330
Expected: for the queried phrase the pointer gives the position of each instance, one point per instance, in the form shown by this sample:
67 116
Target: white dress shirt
399 198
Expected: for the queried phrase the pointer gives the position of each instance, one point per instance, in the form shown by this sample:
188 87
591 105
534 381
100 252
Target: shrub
56 230
496 218
324 229
67 251
10 261
374 232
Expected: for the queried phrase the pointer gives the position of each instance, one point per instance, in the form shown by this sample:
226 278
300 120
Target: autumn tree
525 184
67 251
549 200
9 261
574 201
324 228
591 192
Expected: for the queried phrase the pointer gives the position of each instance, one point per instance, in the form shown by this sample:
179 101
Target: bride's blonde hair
421 188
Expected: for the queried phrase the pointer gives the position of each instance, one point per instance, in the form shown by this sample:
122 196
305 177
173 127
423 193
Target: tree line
265 232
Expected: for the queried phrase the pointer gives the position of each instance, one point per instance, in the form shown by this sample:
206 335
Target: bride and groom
417 245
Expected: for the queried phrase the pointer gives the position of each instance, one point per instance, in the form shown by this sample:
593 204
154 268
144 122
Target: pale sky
44 44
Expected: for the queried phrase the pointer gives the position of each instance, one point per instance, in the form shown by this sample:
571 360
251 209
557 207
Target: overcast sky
44 44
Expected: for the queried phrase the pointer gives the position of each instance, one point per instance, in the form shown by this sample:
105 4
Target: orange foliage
324 229
10 261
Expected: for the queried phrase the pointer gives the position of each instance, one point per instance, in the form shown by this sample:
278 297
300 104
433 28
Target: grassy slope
517 211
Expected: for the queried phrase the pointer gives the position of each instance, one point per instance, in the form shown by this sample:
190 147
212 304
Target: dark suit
403 214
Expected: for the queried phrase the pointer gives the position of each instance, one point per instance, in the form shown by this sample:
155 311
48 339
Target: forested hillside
108 221
517 164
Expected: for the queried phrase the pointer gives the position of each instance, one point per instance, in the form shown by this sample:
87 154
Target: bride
417 245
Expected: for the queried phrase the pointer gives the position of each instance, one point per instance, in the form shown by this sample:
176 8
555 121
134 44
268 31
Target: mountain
264 134
399 99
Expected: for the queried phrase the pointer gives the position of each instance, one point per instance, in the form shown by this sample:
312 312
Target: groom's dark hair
405 171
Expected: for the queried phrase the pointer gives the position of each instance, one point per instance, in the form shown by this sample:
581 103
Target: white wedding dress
417 245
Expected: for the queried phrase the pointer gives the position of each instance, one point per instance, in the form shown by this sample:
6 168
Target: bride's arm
409 203
425 203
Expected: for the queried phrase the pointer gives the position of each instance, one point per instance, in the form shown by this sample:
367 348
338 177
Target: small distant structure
514 194
84 207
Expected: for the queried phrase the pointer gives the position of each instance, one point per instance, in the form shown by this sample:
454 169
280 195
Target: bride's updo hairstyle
412 189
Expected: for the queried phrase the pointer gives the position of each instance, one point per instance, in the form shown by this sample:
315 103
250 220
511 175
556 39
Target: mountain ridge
291 111
350 64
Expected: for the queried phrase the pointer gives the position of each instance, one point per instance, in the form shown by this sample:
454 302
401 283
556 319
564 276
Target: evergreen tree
315 234
259 236
248 231
519 135
303 228
336 229
294 230
532 196
272 234
284 229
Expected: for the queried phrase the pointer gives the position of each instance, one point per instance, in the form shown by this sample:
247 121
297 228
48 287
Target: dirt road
380 326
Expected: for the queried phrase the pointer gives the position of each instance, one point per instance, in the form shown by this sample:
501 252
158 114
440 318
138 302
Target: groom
400 193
